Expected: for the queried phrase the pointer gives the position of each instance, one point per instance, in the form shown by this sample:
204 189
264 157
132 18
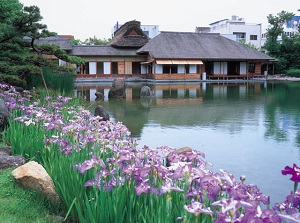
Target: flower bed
101 174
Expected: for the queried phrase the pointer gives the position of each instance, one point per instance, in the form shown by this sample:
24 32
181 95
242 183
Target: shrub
12 80
293 73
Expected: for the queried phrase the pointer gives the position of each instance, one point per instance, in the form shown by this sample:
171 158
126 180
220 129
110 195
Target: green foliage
12 80
62 83
250 45
286 52
47 49
293 73
276 22
16 23
289 52
95 41
91 41
76 42
15 203
10 14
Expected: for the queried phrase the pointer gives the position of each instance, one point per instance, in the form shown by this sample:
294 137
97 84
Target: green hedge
12 80
293 73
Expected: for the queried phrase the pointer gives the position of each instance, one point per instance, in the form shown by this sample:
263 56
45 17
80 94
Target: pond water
250 129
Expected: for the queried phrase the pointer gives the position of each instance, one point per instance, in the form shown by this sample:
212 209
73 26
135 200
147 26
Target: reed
62 83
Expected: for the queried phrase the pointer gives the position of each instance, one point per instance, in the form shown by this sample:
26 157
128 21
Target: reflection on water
250 129
179 104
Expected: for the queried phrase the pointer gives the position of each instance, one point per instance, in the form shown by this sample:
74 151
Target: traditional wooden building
118 59
181 56
168 56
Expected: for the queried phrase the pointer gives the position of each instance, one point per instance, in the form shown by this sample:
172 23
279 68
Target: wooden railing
99 75
227 77
172 76
176 76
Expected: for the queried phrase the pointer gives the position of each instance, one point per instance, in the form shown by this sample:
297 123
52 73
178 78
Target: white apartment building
236 29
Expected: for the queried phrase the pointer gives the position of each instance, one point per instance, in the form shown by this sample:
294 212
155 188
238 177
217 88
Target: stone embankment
279 77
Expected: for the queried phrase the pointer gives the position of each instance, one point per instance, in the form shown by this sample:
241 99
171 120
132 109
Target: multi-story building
236 29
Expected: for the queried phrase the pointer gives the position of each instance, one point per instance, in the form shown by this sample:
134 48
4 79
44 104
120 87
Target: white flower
29 122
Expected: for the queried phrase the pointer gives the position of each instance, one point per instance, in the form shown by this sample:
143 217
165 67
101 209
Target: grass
19 205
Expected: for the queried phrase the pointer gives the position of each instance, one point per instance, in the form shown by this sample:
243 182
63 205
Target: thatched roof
129 35
63 43
101 50
204 46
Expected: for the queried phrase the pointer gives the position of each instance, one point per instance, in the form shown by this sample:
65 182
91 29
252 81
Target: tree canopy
16 23
91 41
286 51
276 30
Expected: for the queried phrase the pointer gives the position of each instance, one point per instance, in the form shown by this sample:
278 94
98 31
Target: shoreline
282 78
83 81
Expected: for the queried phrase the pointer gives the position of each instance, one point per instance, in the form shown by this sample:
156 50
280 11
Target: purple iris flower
293 218
294 171
90 183
230 205
290 205
180 169
142 188
168 186
193 192
196 208
88 164
154 190
263 216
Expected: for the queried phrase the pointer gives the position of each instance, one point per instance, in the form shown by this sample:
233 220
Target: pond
250 128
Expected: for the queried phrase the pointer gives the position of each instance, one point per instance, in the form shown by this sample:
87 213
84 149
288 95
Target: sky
89 18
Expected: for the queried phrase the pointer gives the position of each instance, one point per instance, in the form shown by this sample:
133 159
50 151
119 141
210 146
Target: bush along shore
101 174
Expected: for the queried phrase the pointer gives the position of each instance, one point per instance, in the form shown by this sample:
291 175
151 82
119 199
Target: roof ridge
92 45
174 32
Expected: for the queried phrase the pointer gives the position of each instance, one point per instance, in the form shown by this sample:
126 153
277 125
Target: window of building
251 68
166 68
114 67
253 37
147 33
100 68
199 69
87 68
78 69
136 68
174 69
240 36
187 68
170 68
